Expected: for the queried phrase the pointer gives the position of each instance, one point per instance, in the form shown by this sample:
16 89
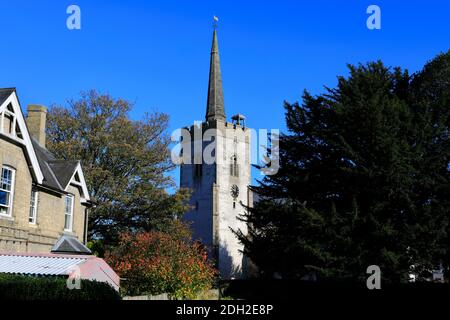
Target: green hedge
16 287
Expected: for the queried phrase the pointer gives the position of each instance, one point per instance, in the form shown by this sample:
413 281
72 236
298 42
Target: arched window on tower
234 167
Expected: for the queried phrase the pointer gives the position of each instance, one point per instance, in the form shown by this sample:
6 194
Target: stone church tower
217 170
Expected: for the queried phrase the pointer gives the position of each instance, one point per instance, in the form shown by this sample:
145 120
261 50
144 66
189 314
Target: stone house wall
16 233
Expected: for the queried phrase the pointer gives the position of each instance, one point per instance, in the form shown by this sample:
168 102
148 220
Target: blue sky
156 53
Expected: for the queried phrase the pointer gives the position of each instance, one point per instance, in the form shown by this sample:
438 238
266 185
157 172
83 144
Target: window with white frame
68 213
8 121
6 191
33 206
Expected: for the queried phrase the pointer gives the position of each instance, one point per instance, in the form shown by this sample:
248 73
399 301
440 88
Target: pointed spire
215 109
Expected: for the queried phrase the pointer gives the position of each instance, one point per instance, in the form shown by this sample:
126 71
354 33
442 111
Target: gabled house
42 198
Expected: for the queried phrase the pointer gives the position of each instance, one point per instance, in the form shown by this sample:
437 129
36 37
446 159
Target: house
44 201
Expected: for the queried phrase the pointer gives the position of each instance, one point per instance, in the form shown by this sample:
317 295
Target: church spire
215 109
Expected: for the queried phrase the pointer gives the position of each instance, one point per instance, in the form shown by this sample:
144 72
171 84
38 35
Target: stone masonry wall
16 233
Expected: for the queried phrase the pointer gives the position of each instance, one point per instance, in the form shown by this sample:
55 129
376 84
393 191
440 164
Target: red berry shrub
156 262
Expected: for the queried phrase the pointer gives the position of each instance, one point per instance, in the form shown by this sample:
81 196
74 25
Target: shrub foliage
18 287
152 263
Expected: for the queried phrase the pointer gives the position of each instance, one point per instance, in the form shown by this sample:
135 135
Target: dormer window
8 123
18 133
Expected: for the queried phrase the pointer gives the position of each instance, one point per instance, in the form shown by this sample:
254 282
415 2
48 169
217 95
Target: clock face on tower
234 191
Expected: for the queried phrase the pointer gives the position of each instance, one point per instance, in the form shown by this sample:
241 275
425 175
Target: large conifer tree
363 179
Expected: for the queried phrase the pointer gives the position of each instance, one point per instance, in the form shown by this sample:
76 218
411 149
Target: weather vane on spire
215 22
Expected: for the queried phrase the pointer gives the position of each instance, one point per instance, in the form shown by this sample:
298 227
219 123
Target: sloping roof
57 173
71 245
38 265
8 97
89 267
49 171
63 170
44 157
5 93
215 108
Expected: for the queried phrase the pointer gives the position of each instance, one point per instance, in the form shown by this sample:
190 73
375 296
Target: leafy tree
363 179
156 262
125 163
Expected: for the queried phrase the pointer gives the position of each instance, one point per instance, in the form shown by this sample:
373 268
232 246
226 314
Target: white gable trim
12 99
82 184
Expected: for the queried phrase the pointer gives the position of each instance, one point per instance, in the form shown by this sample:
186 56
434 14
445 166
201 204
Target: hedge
18 287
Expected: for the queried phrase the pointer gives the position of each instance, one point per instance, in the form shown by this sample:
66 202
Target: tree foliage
155 262
363 179
125 163
31 288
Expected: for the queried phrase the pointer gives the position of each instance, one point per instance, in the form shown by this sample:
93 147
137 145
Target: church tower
216 167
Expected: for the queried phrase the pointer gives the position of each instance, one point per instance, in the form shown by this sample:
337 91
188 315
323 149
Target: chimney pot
36 122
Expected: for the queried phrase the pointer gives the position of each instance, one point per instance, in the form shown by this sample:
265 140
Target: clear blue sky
156 53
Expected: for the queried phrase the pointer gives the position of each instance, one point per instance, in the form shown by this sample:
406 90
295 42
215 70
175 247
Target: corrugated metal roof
38 265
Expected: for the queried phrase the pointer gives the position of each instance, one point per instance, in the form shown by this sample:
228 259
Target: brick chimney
36 122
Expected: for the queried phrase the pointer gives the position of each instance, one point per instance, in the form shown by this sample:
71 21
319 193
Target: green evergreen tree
431 104
363 179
